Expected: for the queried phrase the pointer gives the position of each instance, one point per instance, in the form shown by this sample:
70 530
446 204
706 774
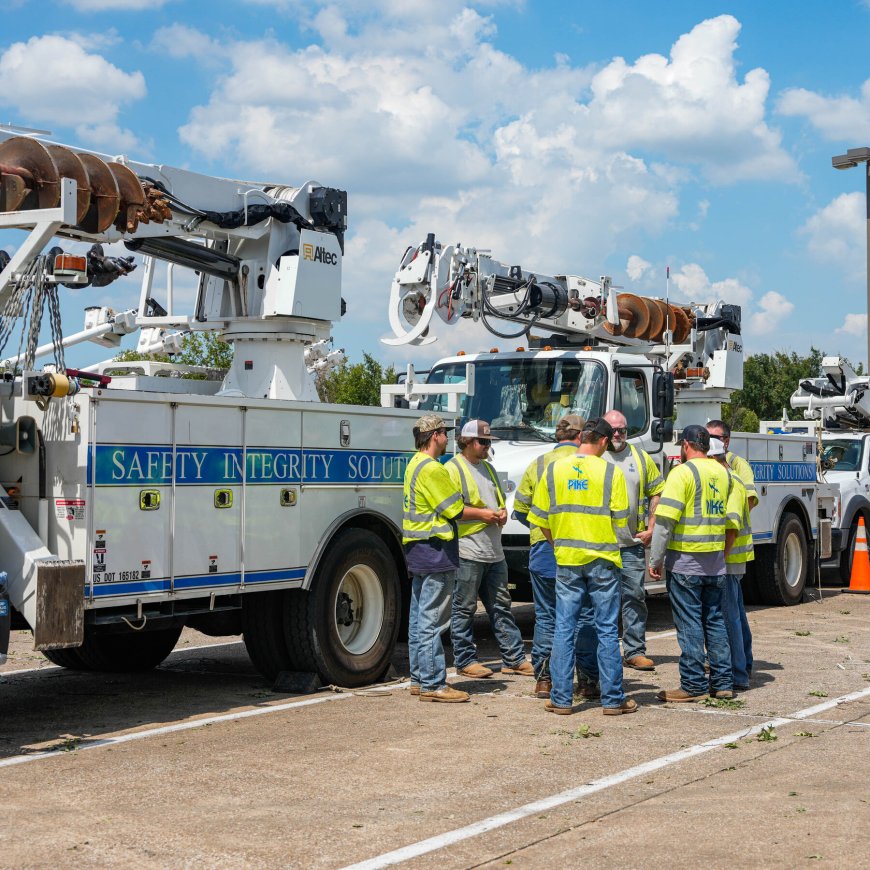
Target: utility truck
587 348
137 499
839 405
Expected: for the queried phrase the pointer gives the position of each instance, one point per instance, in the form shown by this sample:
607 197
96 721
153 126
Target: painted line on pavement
658 635
180 649
449 838
168 729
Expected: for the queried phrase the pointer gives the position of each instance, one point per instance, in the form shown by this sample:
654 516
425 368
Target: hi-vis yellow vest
462 477
742 469
431 500
738 518
531 477
651 482
695 497
581 499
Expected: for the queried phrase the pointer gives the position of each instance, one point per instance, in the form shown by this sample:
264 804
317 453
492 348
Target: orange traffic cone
860 579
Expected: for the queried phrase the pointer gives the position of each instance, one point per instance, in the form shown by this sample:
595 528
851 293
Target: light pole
853 157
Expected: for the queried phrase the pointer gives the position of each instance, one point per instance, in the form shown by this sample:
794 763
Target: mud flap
60 605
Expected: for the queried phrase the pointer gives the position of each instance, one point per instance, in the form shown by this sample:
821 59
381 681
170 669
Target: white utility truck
838 402
231 502
597 349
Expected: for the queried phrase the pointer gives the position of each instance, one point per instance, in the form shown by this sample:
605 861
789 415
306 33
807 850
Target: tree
199 349
769 379
357 384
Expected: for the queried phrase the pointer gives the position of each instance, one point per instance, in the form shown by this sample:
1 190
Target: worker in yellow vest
737 464
645 483
542 560
689 544
579 503
739 552
482 566
432 506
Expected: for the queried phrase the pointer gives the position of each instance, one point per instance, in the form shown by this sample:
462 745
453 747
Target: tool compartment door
130 467
206 540
272 498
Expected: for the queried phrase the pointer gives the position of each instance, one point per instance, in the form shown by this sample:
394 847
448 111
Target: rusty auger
108 193
647 319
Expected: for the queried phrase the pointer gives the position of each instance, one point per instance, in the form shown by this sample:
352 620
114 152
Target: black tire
263 632
345 626
66 658
122 652
844 570
781 569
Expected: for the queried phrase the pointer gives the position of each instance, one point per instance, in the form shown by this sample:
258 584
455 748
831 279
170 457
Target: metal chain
56 329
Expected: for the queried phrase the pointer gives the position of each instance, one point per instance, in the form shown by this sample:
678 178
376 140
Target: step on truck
144 496
586 349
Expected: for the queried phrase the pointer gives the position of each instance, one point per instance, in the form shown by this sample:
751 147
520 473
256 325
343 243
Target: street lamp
849 160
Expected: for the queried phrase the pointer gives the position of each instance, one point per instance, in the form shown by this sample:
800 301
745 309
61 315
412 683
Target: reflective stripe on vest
742 549
582 531
699 527
471 494
420 525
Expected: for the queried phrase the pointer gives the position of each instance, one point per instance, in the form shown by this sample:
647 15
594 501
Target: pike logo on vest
581 482
715 503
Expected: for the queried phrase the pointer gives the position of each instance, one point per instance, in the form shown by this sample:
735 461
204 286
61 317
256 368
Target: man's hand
644 537
491 517
655 572
502 517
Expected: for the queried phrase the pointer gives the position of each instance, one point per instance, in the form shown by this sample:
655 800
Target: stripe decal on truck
152 465
784 472
197 581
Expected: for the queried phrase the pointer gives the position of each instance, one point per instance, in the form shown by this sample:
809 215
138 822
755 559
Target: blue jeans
634 611
578 586
739 635
697 606
544 592
430 605
489 581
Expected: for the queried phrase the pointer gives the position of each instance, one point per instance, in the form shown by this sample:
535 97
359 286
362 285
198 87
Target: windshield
844 454
524 397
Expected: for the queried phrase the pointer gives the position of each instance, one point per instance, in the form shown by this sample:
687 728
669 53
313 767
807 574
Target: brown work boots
444 695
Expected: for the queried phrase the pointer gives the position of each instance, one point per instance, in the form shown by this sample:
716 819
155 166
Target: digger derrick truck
134 503
588 348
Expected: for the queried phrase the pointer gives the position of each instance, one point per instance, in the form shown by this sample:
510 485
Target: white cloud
53 80
854 324
637 267
836 234
180 42
773 308
835 118
692 281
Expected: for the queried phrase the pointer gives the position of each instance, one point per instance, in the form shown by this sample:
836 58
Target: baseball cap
431 423
599 426
573 421
717 447
697 435
477 429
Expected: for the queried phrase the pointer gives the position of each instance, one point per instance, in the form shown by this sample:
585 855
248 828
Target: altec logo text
319 254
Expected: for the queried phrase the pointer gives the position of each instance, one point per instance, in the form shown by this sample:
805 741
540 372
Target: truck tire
781 569
124 652
66 658
345 626
845 567
263 632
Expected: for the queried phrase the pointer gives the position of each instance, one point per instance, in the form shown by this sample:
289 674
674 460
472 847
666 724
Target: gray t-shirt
485 545
626 461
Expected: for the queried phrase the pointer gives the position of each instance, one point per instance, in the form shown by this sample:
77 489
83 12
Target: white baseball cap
477 429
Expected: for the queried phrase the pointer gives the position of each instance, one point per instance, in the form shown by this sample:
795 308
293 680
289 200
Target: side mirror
663 394
662 430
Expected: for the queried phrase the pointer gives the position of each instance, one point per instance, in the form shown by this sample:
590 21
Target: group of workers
600 516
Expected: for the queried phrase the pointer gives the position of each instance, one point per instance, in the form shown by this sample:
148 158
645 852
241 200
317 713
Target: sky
569 137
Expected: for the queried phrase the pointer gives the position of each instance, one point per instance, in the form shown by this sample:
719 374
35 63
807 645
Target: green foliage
357 384
769 379
199 349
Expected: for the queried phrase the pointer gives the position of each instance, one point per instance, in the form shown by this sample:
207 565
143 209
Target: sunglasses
620 430
484 441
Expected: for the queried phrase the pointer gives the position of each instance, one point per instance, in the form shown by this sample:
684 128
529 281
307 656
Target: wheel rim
359 609
793 562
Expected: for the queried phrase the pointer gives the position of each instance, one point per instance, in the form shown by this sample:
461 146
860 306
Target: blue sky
569 137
